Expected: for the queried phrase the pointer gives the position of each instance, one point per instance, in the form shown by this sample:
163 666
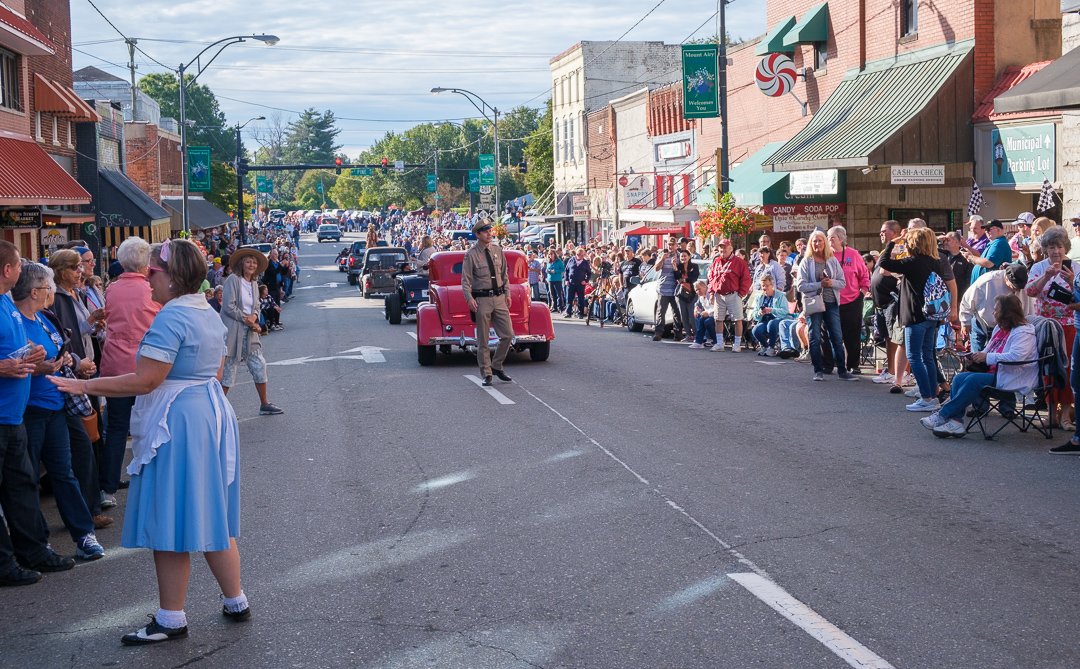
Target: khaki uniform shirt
475 274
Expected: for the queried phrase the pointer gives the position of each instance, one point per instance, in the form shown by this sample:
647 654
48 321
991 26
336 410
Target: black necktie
491 267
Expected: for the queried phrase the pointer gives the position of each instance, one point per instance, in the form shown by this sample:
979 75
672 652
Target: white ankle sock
737 342
236 604
171 619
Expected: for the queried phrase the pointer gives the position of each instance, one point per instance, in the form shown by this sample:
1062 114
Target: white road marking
770 362
412 334
443 481
499 397
375 357
370 353
332 284
810 621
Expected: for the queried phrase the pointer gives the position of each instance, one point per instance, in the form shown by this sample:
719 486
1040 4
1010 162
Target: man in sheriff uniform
486 284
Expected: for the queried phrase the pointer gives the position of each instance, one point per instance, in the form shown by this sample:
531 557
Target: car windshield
385 260
327 227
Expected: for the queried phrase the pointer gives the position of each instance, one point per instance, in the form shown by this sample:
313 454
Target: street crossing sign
399 165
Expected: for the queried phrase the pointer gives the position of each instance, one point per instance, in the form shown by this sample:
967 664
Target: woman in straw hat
240 312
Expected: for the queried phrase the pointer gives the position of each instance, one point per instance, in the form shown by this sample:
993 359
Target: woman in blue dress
185 487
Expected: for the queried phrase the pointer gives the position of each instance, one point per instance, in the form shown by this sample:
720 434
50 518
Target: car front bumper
463 341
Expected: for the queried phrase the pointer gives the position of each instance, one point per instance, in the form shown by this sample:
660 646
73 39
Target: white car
644 299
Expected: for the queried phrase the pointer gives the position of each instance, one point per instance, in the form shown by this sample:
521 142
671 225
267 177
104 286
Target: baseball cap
1017 275
1025 218
995 223
1075 218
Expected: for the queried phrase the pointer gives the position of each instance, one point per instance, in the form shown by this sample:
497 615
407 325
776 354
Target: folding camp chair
1021 410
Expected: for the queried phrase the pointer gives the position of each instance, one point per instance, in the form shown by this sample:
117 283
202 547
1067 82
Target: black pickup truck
355 262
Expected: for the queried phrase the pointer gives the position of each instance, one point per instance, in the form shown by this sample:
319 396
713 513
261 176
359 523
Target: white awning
669 216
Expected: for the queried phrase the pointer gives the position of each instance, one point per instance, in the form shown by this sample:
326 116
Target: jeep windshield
377 261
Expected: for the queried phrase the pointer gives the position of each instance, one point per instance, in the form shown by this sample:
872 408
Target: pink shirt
129 311
856 276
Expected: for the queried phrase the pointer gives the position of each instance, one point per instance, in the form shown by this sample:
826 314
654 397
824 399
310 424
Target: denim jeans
919 340
575 293
830 318
767 333
118 423
788 340
705 329
556 296
686 315
1074 381
83 464
48 443
965 392
978 335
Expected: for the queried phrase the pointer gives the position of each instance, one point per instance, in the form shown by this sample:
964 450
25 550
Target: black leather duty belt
488 293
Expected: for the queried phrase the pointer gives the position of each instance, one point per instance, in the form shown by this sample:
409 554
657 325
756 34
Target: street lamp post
474 98
269 40
242 230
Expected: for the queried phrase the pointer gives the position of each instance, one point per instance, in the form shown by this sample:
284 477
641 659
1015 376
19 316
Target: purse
90 424
77 404
813 304
1059 293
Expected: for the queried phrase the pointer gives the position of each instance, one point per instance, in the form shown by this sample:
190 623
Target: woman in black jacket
686 275
916 263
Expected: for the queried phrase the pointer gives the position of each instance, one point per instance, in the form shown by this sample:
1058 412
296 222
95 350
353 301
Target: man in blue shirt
25 537
997 253
578 272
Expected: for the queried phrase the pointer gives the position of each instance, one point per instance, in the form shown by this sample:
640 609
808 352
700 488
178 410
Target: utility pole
436 178
131 68
721 36
498 212
240 171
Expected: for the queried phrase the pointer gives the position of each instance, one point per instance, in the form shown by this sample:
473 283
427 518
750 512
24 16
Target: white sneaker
933 420
914 392
696 346
717 347
803 357
883 377
924 405
736 348
952 428
909 380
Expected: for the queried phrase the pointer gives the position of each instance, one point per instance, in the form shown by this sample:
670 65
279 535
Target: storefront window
909 17
9 81
938 220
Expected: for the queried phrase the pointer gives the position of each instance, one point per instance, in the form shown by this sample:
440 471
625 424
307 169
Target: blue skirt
181 500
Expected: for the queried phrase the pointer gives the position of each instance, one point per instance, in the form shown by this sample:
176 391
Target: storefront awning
29 177
122 203
1057 85
752 186
909 109
55 98
645 230
773 41
115 235
672 216
201 214
19 35
812 27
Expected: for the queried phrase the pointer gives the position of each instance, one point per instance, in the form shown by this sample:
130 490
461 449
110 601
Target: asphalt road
625 504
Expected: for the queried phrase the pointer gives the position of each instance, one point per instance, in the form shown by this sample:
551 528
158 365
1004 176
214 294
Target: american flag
976 202
1046 196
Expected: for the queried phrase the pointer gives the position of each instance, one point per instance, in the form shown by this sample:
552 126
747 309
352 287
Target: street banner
701 93
264 185
432 184
487 169
474 181
199 169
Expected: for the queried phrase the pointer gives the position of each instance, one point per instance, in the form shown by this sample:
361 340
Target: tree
307 189
311 138
514 128
711 39
223 186
538 153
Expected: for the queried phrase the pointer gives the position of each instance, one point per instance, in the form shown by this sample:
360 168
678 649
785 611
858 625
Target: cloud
399 51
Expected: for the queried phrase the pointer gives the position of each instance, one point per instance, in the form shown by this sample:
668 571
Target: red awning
1012 76
646 230
19 35
53 98
29 177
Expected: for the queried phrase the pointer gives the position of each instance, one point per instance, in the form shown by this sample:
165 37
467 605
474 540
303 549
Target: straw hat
238 256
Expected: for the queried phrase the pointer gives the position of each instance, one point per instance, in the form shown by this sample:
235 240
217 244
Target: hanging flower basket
725 219
500 231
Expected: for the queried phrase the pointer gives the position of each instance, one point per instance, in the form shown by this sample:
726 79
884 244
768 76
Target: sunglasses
153 269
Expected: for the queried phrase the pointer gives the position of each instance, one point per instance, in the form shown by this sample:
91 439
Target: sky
374 63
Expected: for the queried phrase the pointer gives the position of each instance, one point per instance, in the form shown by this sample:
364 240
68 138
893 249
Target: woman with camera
1050 283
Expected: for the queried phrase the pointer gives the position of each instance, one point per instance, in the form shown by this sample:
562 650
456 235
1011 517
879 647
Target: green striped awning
872 105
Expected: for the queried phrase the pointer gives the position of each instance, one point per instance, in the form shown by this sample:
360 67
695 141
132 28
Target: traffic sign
487 190
487 199
319 187
361 172
264 185
399 165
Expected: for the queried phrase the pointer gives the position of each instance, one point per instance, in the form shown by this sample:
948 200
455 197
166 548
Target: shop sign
1023 154
673 150
20 218
838 209
637 194
580 204
701 97
918 175
800 222
53 237
814 182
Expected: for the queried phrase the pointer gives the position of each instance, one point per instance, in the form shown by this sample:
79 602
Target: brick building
38 113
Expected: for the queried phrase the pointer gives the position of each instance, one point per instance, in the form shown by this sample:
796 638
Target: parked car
380 266
329 231
410 291
445 322
356 259
644 300
262 247
464 235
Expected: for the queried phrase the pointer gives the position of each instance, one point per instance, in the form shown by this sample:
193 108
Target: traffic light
385 164
523 167
242 165
337 161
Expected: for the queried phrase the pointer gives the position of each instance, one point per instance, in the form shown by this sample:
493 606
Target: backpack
936 298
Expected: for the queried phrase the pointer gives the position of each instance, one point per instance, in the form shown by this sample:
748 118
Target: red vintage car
445 322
